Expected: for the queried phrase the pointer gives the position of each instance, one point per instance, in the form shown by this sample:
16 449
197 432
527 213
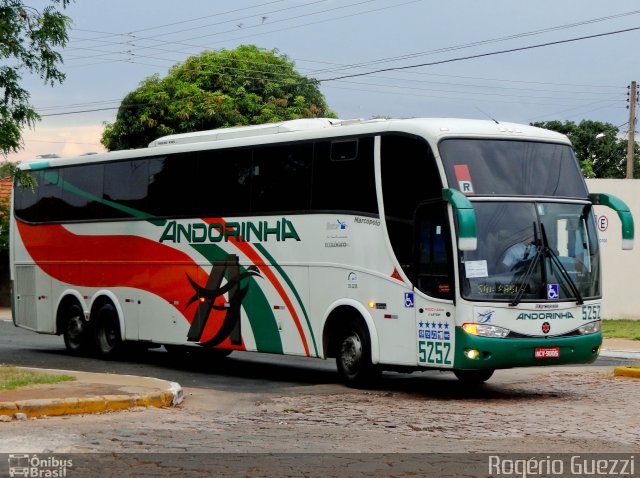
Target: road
260 403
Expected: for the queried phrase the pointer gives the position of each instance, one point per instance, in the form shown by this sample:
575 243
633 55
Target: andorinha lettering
544 315
248 231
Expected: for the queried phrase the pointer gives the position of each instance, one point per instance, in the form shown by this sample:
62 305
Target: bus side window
281 178
131 193
82 192
344 177
433 244
49 190
409 177
224 180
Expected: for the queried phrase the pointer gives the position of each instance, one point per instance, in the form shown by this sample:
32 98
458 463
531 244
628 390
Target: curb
633 372
610 353
170 397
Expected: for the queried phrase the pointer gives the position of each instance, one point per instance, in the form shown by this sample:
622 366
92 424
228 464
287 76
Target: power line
479 55
383 60
108 34
488 41
354 75
182 42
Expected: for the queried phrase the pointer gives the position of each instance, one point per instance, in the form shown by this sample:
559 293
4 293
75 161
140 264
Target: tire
354 357
75 330
474 377
106 332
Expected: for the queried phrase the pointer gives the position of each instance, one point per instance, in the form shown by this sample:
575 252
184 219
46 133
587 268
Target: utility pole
631 143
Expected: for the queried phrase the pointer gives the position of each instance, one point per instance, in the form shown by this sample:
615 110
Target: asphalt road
241 371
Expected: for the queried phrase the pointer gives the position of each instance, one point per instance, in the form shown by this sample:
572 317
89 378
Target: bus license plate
547 352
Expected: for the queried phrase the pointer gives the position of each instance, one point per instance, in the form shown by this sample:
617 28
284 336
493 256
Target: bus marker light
371 304
470 328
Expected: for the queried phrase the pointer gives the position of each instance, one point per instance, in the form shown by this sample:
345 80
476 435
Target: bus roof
433 129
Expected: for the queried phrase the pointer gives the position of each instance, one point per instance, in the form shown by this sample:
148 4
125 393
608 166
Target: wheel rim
351 353
108 334
75 330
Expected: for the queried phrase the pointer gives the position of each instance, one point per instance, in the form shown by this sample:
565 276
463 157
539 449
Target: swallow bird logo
206 297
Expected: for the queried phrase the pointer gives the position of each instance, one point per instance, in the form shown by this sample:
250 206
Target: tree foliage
244 86
598 147
28 42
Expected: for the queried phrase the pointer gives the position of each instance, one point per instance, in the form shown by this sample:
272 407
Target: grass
621 329
13 377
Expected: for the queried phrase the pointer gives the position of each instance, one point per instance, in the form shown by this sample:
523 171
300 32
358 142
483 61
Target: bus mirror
602 199
466 216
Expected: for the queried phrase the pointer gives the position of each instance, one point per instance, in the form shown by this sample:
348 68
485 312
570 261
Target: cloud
63 141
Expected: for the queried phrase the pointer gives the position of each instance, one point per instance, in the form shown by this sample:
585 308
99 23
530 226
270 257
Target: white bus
402 245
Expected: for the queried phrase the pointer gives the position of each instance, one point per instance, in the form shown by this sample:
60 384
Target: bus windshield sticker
475 269
464 178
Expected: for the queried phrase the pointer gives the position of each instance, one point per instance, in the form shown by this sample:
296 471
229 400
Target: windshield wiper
532 267
543 249
563 270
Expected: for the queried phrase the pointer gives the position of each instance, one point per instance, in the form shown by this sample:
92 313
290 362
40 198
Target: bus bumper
498 353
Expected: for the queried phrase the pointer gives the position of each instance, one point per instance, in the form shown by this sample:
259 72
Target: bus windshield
532 251
484 167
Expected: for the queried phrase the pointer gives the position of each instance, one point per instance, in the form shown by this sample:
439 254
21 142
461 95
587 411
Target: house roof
5 189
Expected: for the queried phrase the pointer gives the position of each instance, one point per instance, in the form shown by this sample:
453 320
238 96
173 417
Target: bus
401 244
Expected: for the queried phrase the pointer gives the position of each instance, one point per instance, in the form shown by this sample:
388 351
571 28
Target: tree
28 39
245 86
599 150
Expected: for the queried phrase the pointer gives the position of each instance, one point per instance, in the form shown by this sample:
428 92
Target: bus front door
434 279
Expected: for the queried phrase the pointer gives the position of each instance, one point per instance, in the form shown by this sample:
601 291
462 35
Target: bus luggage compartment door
32 309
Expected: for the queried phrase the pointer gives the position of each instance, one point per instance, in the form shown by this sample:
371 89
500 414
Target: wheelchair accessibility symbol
552 292
408 299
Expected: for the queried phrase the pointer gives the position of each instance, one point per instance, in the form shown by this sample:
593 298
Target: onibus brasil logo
35 466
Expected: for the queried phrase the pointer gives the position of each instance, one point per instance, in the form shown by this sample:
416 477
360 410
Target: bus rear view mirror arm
602 199
466 216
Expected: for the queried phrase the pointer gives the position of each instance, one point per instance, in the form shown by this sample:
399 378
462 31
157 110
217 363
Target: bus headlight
485 330
590 328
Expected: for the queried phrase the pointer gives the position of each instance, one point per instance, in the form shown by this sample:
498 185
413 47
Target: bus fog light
472 354
485 330
590 328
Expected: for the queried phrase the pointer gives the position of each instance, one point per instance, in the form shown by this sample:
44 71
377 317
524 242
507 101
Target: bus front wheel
474 377
107 331
75 330
354 357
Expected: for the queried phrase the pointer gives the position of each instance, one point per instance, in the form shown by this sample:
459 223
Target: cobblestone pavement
572 409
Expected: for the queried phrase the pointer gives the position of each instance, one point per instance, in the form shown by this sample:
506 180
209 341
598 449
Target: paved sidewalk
621 348
88 393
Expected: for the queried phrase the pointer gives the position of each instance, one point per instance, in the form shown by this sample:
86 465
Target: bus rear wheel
74 330
107 332
474 377
354 357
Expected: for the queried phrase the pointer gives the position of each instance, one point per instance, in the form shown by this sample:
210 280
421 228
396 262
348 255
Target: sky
509 60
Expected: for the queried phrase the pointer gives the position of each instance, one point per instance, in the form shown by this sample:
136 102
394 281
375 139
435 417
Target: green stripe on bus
261 317
287 279
54 178
39 165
